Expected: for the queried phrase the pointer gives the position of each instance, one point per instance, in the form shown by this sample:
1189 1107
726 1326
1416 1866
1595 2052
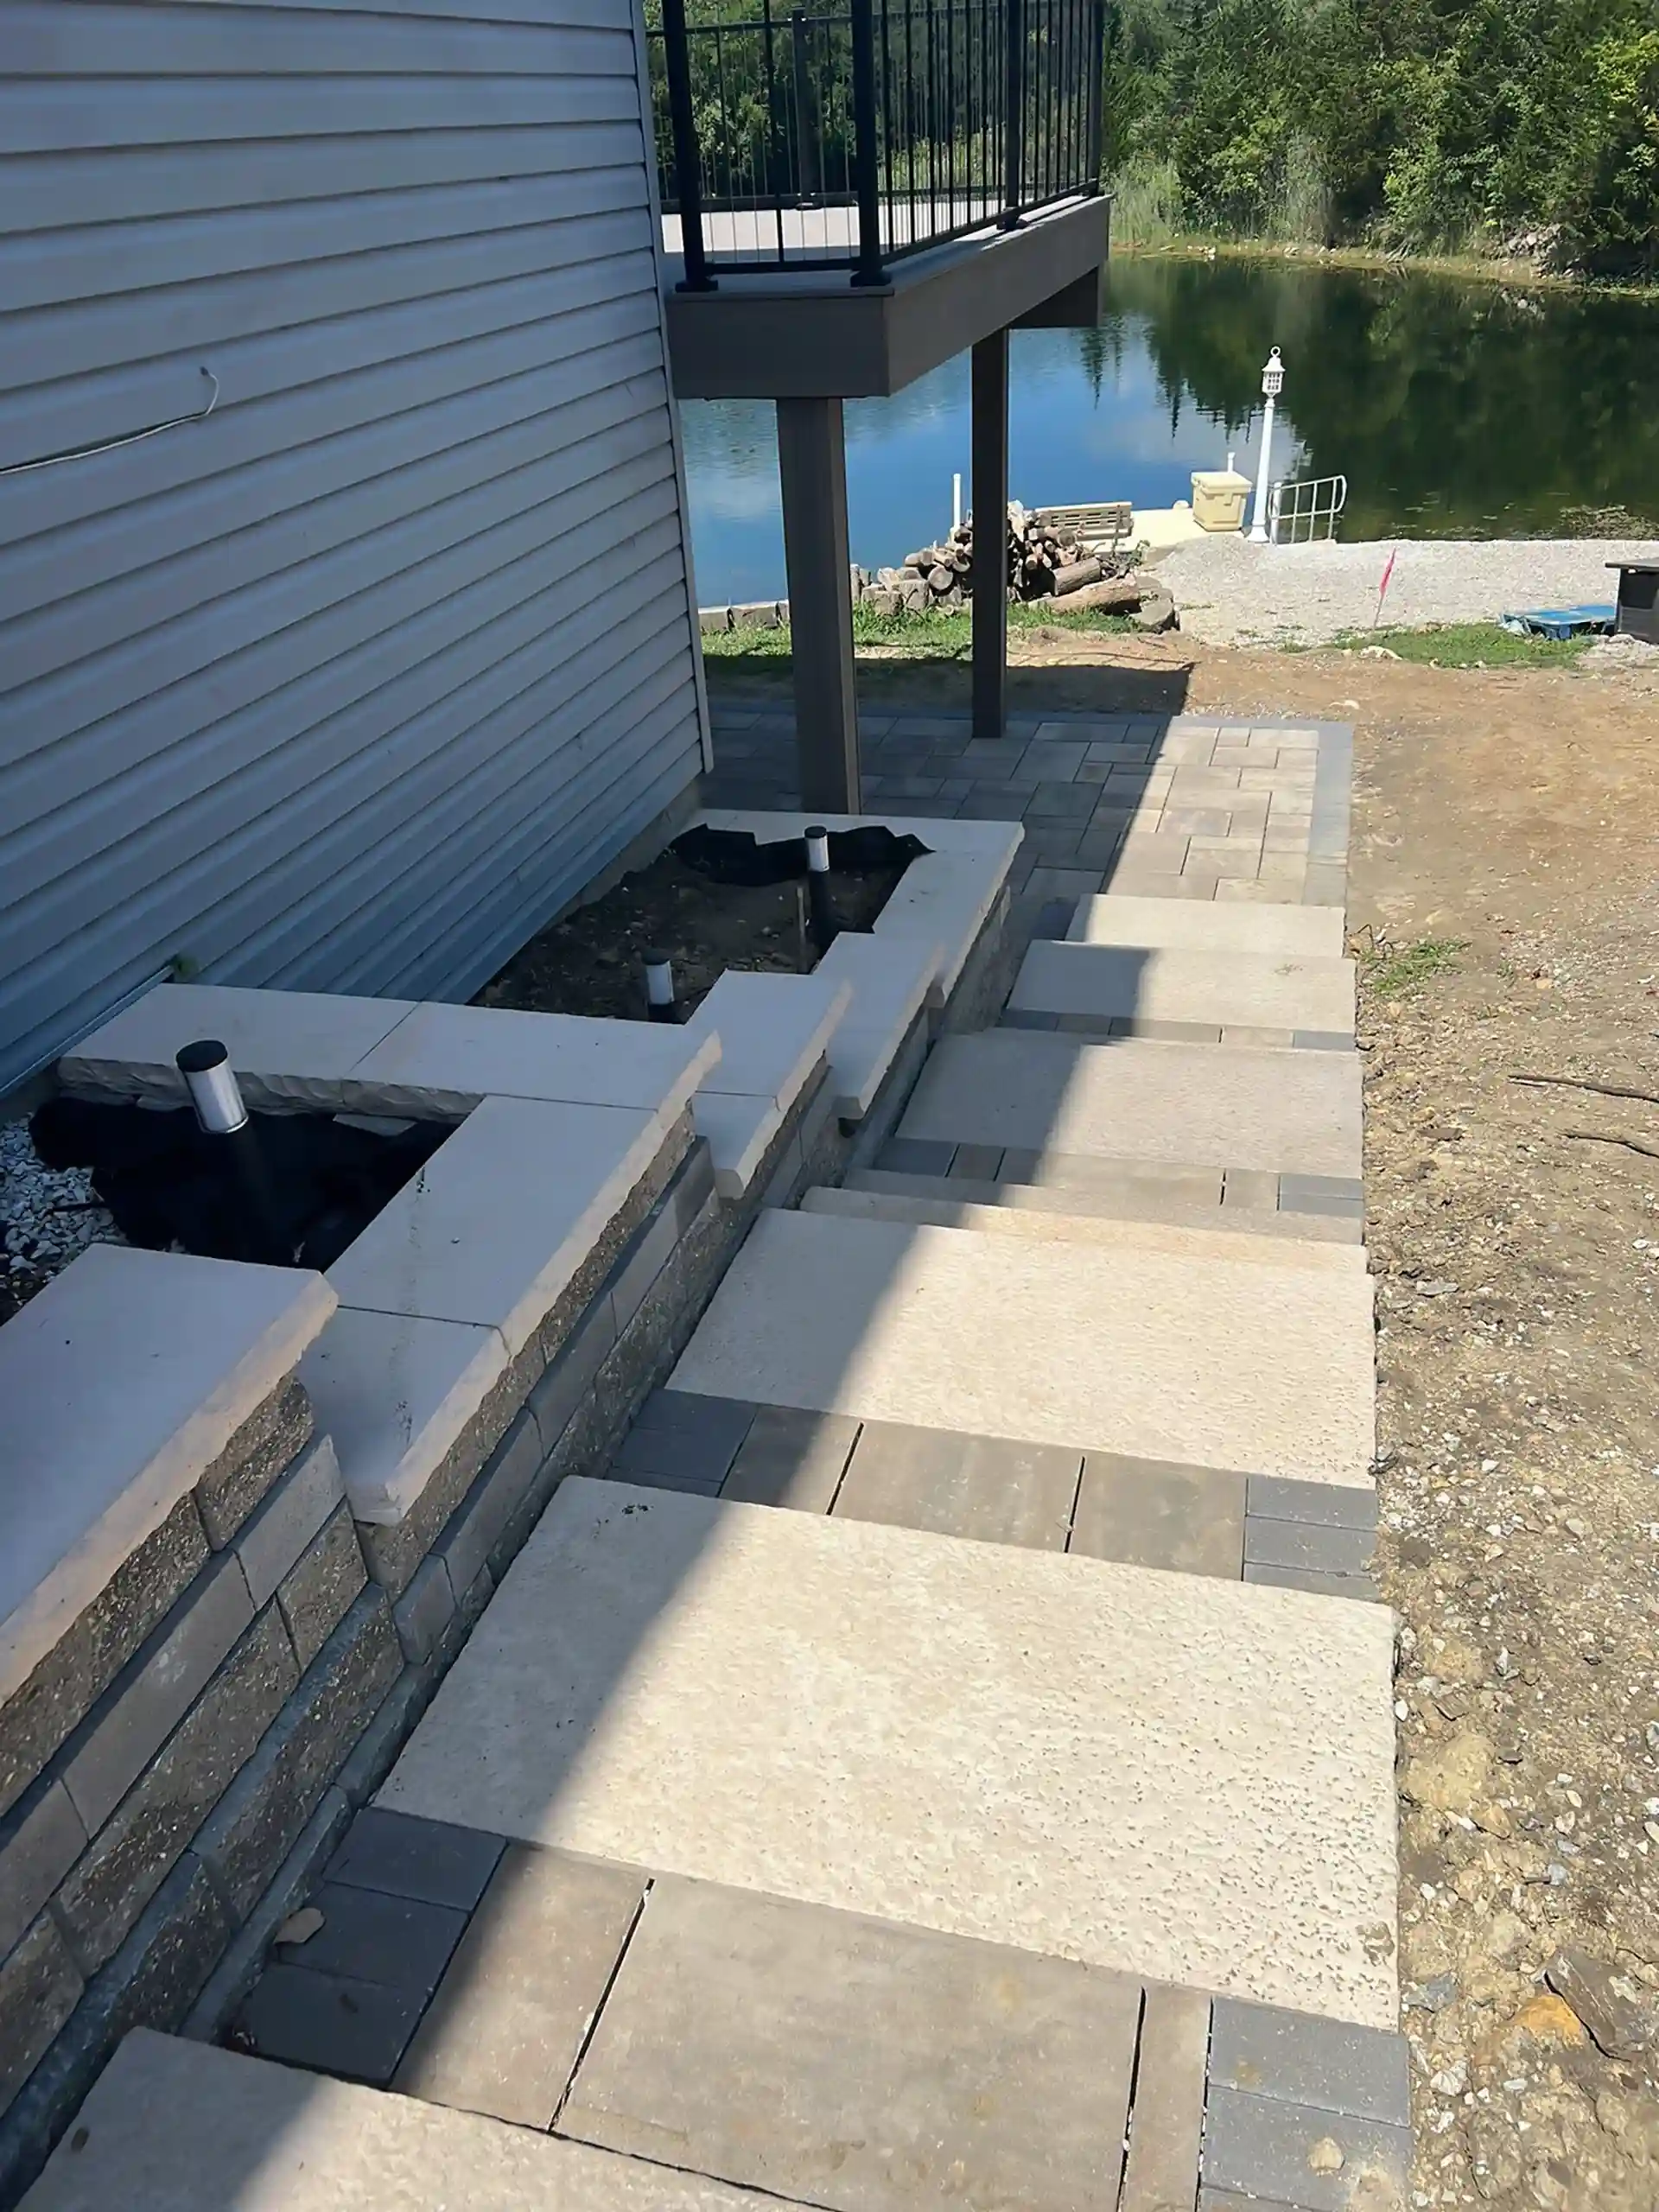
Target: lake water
1454 410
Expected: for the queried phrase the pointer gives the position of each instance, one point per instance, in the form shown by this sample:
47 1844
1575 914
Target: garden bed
592 961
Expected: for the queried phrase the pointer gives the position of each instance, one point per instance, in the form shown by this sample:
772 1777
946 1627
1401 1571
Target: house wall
354 683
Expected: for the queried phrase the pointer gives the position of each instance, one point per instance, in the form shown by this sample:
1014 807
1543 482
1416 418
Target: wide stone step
1295 993
1284 1112
1177 1196
945 1210
1265 1369
1173 1777
1203 925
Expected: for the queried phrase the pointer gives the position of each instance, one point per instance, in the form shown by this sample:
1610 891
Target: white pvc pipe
955 501
817 850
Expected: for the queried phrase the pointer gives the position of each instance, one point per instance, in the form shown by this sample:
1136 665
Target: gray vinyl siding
352 685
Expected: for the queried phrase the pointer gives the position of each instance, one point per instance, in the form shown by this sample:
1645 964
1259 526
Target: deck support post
812 467
990 492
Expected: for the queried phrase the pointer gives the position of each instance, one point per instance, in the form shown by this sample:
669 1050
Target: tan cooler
1219 496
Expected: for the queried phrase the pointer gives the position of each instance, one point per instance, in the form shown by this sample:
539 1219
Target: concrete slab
288 1048
1199 925
857 1716
847 2062
773 1030
1185 1104
443 1059
1113 982
890 978
502 1215
122 1383
1269 1369
263 2138
1108 1234
394 1392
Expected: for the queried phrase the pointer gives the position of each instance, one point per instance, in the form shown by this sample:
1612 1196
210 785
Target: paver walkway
948 1761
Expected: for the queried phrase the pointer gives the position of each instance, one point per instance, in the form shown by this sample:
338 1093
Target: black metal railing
846 140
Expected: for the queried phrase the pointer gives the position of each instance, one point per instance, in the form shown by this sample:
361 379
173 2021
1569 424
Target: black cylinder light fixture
251 1202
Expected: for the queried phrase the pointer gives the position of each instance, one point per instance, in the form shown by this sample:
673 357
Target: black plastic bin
1638 600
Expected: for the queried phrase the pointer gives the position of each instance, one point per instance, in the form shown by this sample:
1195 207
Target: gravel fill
46 1217
1230 592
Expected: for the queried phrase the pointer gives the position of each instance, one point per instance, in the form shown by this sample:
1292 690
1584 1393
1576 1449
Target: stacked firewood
1038 564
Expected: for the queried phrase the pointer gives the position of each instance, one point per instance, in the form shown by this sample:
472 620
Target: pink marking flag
1382 588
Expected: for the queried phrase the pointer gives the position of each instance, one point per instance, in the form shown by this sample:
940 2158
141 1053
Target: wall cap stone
123 1382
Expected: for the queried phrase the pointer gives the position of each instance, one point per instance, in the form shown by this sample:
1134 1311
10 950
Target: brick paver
1179 806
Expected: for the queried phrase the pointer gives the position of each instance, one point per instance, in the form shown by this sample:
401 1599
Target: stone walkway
949 1759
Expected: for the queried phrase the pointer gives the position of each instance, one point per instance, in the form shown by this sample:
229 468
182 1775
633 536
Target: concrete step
1200 925
1143 1195
1297 993
177 2126
1264 1368
945 1210
1285 1112
1172 1776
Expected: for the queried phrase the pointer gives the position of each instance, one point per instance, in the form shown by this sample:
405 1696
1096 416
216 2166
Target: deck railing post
676 62
866 171
1095 139
807 133
1013 120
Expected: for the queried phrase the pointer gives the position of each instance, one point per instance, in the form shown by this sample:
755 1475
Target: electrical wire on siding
114 445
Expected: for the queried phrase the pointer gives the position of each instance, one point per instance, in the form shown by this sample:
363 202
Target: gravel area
1230 592
46 1217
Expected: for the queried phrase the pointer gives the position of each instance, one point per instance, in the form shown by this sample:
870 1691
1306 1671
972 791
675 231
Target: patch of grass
1467 644
944 636
1393 969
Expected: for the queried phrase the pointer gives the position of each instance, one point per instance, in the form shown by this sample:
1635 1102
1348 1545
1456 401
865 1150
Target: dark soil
591 962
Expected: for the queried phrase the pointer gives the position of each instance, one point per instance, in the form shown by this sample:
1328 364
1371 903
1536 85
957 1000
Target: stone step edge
1084 1204
1221 2090
948 1209
1224 1525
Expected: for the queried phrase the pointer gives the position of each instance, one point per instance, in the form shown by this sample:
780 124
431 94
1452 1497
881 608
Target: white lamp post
1272 382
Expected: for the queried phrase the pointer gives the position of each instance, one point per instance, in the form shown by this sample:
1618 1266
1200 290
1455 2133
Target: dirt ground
1505 891
1510 824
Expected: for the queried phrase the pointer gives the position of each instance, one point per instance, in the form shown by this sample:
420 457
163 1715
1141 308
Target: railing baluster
1014 121
871 268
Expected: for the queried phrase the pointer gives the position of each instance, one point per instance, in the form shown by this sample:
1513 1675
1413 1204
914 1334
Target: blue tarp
1560 621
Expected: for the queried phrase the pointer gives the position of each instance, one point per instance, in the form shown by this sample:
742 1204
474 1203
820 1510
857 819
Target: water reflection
1454 410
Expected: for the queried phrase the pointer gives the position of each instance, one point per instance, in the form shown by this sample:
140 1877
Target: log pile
1038 565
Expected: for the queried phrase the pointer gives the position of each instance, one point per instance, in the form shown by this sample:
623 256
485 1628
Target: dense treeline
1427 126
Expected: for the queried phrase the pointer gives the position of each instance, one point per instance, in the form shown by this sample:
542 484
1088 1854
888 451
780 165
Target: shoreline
1502 271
